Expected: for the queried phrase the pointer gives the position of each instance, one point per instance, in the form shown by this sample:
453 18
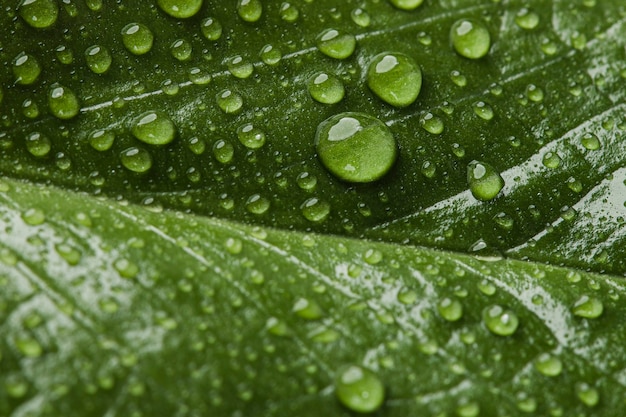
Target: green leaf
113 309
472 270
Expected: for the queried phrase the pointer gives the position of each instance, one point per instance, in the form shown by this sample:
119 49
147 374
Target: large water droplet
470 38
137 38
154 128
136 159
588 307
250 10
336 44
180 9
395 78
26 69
62 102
326 88
406 4
500 321
356 147
98 59
39 14
484 181
250 136
359 389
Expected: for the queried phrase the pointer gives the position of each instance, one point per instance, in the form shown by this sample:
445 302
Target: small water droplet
250 136
360 17
457 78
406 4
289 12
470 38
306 181
276 327
101 140
587 394
229 101
551 160
62 102
223 151
126 268
180 9
181 49
356 147
211 28
373 256
137 38
486 287
527 19
590 141
234 246
326 88
154 128
484 181
26 69
336 44
270 55
432 124
450 309
136 159
307 309
483 110
250 10
395 78
548 365
359 389
315 210
588 307
500 321
38 144
256 204
534 93
40 14
98 59
240 67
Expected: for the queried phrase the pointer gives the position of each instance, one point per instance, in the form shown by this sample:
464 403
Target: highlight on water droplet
359 389
356 147
470 38
500 321
154 128
62 102
180 9
395 78
26 69
484 181
326 88
406 4
249 10
137 38
336 44
40 14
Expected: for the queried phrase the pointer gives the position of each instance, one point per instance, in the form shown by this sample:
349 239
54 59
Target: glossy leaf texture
235 122
110 309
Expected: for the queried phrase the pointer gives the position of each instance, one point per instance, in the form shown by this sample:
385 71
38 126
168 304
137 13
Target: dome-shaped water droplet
180 9
450 309
29 347
181 49
395 78
26 69
30 109
356 147
551 160
406 4
229 101
590 141
101 140
315 210
211 28
257 204
588 307
336 44
239 67
361 17
154 128
34 217
432 124
39 14
250 10
270 55
137 38
484 181
307 309
326 88
64 55
250 136
548 364
38 145
289 12
457 78
62 102
534 93
470 38
359 389
587 394
223 151
98 59
483 110
500 321
136 159
527 19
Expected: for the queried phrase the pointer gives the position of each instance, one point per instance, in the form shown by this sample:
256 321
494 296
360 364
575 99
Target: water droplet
548 364
432 124
450 309
34 217
457 78
211 28
101 140
38 145
428 169
26 69
29 347
136 159
359 389
395 78
534 93
503 220
484 181
470 38
62 102
587 394
548 47
154 128
361 17
306 181
250 136
500 321
180 9
137 38
30 109
356 147
250 10
270 55
64 55
196 145
98 59
257 204
527 19
307 309
525 403
326 88
578 40
239 67
233 246
276 327
590 141
289 12
588 307
181 49
486 287
336 44
551 160
373 256
483 110
223 151
39 14
406 4
229 101
126 268
315 210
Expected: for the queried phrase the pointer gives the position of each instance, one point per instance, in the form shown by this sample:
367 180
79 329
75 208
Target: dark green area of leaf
575 56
